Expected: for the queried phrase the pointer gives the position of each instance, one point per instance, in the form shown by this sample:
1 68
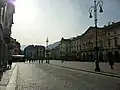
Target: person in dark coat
10 62
42 61
62 61
111 63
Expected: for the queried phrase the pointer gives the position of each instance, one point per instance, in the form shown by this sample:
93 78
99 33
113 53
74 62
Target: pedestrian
111 63
39 60
62 61
48 61
10 63
34 60
42 61
29 60
24 59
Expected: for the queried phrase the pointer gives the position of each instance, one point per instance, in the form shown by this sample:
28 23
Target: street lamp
47 55
96 4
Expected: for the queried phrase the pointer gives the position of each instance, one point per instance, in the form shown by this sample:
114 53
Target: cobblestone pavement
48 77
89 66
6 77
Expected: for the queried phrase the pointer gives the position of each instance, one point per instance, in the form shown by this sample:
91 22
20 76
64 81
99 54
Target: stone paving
6 77
89 66
36 76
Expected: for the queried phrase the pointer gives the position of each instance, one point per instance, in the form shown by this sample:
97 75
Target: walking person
62 61
27 59
48 61
42 61
111 63
39 60
10 63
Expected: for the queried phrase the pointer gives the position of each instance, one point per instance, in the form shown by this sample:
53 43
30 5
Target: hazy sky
36 19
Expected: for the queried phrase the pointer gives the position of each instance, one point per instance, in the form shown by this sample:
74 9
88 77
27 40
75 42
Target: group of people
40 61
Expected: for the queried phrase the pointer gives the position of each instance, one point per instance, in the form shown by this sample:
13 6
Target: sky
35 20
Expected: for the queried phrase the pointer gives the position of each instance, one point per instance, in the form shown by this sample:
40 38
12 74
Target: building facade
55 52
7 9
15 50
40 52
65 49
83 47
34 52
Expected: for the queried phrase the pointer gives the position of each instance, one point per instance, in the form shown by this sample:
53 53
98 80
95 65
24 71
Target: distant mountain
51 46
23 47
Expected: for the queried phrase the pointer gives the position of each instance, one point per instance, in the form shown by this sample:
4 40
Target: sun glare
24 10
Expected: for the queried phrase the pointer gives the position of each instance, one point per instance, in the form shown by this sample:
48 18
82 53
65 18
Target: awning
18 55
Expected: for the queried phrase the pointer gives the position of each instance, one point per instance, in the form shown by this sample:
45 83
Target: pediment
89 31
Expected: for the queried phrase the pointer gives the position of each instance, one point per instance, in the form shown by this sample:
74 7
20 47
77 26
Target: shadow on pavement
3 70
1 74
116 69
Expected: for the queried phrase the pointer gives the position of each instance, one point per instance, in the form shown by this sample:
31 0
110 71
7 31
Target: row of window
112 33
92 45
110 42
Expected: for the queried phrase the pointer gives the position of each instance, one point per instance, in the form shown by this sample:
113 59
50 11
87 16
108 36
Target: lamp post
96 4
47 50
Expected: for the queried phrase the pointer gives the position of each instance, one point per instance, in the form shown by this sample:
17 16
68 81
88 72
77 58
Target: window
76 42
115 32
115 41
109 34
84 46
101 44
109 43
